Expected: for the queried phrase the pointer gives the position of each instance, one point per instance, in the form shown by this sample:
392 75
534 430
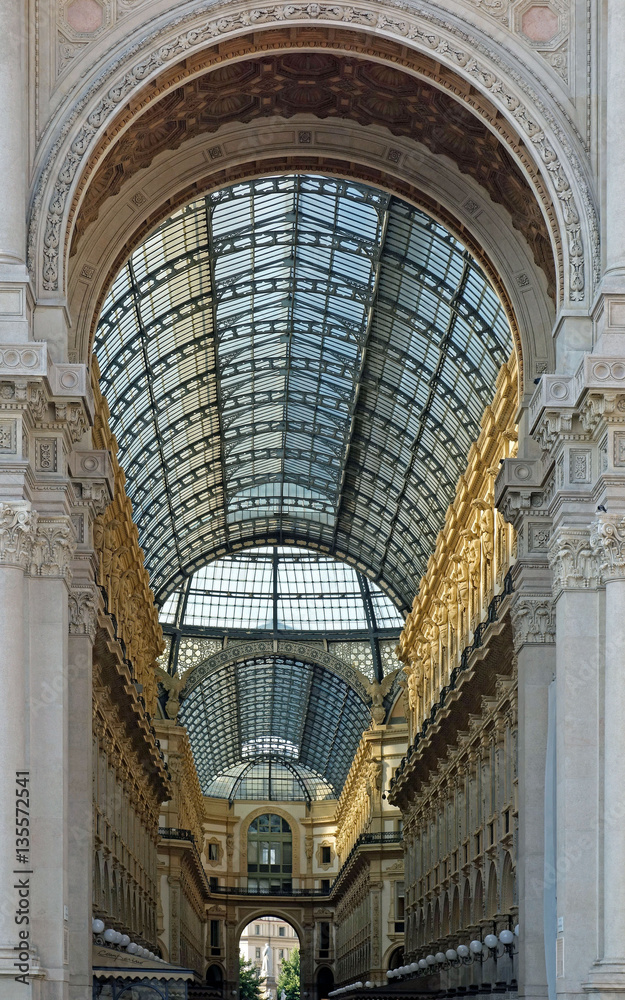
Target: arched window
269 854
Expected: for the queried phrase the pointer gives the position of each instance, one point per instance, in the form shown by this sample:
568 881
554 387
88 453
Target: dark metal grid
298 358
275 708
285 592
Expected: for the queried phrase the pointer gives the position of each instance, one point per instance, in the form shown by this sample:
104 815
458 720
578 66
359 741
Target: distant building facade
266 943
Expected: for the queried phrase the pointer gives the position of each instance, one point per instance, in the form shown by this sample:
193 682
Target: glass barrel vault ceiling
278 709
298 359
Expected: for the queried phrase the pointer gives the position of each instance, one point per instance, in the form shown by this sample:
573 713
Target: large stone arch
345 148
281 647
290 915
536 133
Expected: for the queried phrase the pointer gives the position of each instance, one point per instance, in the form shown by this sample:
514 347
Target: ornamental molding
520 492
552 427
533 620
83 612
18 526
607 538
267 647
53 547
432 34
573 560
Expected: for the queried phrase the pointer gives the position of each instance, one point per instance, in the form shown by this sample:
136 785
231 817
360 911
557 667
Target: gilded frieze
121 572
473 553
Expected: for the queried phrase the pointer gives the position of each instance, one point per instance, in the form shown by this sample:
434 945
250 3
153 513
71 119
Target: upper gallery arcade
312 495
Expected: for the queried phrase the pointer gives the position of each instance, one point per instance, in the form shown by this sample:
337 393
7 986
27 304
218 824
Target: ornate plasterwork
332 86
533 620
53 547
120 571
607 539
18 526
43 546
573 560
83 612
433 34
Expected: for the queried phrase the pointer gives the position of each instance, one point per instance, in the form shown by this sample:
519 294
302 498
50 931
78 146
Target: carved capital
18 527
82 612
533 620
53 547
573 560
607 538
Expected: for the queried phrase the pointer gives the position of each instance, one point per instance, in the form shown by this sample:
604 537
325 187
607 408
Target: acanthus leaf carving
53 547
574 564
607 538
18 526
82 612
533 620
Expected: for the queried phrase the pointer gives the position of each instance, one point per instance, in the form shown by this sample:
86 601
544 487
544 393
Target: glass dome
270 779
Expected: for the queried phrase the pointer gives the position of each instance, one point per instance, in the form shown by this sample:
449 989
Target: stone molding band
433 35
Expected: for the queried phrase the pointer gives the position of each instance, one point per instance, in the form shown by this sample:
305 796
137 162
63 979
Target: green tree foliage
251 986
288 979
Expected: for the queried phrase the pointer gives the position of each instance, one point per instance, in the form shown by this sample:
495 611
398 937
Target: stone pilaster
523 492
91 491
579 421
607 542
45 409
18 525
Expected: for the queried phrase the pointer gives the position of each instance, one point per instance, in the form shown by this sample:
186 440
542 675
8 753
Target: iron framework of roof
298 359
343 609
274 708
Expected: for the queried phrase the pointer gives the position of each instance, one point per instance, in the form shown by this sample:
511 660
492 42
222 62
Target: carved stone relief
434 34
533 620
332 86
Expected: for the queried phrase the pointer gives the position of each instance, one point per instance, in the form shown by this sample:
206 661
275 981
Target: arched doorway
215 978
269 959
325 982
396 958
